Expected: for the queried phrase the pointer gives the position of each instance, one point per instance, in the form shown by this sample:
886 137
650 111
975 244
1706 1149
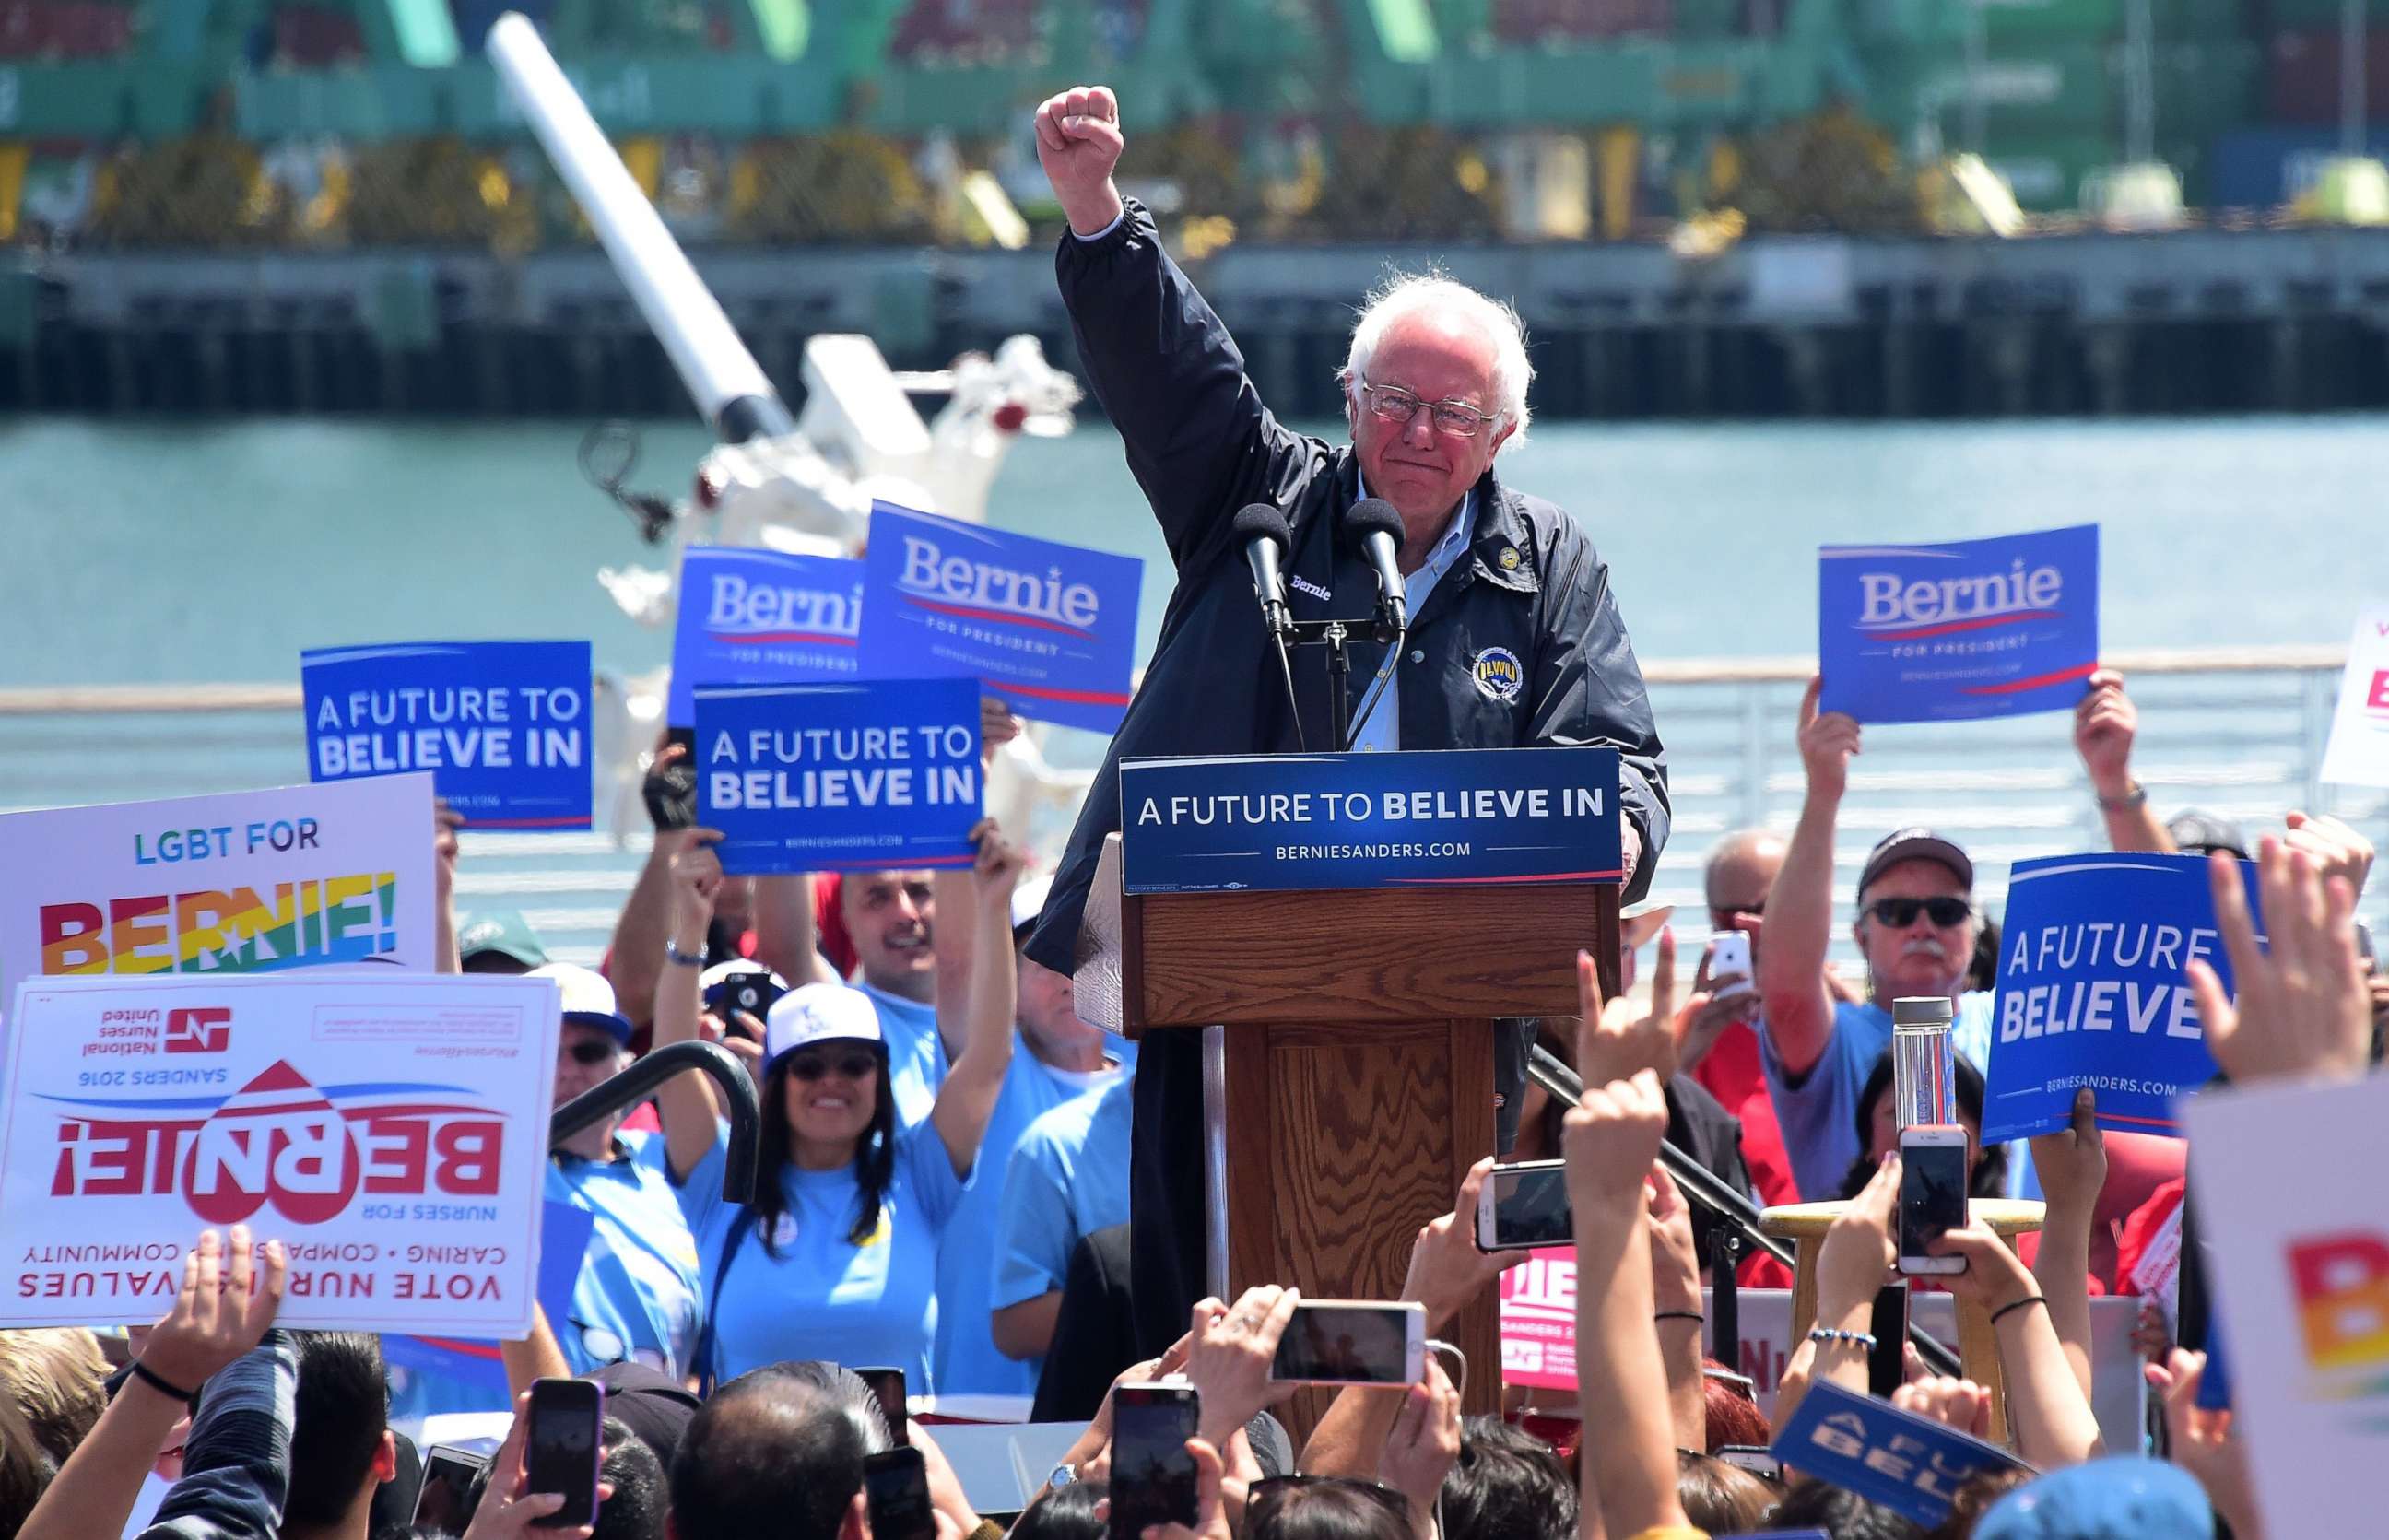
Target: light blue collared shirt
1382 733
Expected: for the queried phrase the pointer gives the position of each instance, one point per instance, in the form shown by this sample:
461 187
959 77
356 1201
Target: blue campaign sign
1327 821
750 616
563 1232
839 777
2093 991
1910 1464
501 726
1050 627
1987 628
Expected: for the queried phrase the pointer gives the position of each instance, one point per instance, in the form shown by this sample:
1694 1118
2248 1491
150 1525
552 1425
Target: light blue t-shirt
1819 1116
638 1293
1068 1179
916 1055
968 1362
823 1296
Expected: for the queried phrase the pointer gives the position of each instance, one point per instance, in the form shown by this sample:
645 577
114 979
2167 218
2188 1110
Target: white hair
1409 294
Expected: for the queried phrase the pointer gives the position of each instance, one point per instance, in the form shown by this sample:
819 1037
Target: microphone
1263 532
1375 531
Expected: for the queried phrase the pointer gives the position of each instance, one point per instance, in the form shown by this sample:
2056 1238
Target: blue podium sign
1346 820
839 777
1049 627
754 617
2093 991
501 726
1982 627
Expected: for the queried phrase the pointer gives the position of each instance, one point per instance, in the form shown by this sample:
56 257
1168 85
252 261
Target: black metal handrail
1701 1185
642 1079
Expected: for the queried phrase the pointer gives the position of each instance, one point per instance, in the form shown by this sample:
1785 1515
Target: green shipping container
2006 21
2046 174
2037 94
2306 16
2206 89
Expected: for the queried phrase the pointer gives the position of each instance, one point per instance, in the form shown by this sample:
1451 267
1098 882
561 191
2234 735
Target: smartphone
1887 1360
453 1480
1523 1206
1153 1476
562 1451
1932 1194
888 1384
896 1487
1729 953
1757 1459
1350 1342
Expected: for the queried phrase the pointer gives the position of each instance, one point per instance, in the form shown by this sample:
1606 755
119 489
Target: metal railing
2237 732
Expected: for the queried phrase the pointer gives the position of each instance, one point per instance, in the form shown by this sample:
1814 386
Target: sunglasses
1900 912
1266 1494
848 1066
589 1050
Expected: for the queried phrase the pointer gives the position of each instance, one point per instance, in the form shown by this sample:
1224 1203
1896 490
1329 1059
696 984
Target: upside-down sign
391 1131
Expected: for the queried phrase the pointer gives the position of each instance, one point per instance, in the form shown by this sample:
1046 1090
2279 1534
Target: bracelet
1835 1334
673 954
156 1381
2136 798
2018 1305
1678 1316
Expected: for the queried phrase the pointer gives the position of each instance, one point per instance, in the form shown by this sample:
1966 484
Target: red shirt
1730 1073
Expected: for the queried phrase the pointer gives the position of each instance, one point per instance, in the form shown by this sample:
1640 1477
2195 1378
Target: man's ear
856 1525
385 1460
1501 438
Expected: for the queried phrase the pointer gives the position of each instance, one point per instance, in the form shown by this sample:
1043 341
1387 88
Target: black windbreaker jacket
1202 447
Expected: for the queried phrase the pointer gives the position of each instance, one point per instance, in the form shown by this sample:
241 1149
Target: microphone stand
1334 635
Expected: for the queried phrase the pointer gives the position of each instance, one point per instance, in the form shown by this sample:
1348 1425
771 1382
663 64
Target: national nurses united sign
1986 628
1049 627
391 1132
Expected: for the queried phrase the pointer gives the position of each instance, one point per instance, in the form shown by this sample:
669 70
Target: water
144 551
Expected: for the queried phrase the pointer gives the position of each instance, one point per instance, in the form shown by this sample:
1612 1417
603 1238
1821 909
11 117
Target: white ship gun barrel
720 375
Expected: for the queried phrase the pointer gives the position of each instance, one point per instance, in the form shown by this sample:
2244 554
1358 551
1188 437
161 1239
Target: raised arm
1799 1011
685 1102
2048 1407
2072 1164
786 938
2105 721
1166 370
968 1099
635 958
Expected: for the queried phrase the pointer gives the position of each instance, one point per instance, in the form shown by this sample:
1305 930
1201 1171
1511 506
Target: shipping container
2006 21
2039 92
2302 77
2046 174
2263 168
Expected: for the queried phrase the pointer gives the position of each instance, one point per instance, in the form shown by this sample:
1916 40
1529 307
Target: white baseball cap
819 1013
588 998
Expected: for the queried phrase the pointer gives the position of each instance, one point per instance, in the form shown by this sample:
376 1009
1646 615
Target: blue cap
2124 1498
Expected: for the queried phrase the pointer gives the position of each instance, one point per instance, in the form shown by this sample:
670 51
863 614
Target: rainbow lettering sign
2297 1246
1986 628
244 882
1050 627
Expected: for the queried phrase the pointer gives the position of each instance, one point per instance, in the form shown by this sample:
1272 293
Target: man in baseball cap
637 1297
1916 925
498 941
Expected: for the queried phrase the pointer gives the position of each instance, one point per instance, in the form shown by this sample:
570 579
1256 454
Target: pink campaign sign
1539 1321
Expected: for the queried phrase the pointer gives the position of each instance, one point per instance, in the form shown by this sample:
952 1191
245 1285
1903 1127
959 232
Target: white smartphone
1729 953
1525 1205
1352 1341
1932 1194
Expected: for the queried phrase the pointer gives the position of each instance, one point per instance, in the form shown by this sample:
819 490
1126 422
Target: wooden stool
1978 1348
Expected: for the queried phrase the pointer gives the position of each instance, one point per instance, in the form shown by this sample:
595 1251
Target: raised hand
1447 1271
1079 141
1611 1137
1858 1251
2338 850
1828 742
2304 1009
1425 1439
997 864
1229 1360
221 1311
2105 721
2071 1162
1613 1041
695 881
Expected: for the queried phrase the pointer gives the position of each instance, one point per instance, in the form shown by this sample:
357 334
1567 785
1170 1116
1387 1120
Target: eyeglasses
589 1050
1723 919
1396 405
1271 1492
1900 913
848 1066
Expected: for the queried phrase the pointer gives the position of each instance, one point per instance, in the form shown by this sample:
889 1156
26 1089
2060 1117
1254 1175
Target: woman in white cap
835 1256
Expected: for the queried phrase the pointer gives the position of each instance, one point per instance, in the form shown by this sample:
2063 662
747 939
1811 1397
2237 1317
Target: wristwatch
1064 1474
2136 798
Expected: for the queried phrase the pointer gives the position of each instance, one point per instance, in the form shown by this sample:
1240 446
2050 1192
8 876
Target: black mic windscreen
1259 518
1371 515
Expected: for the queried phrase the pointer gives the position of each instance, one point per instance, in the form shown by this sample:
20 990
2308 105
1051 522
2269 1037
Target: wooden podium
1356 1085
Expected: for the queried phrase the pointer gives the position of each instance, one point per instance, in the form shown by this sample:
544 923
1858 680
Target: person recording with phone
1509 629
835 1257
